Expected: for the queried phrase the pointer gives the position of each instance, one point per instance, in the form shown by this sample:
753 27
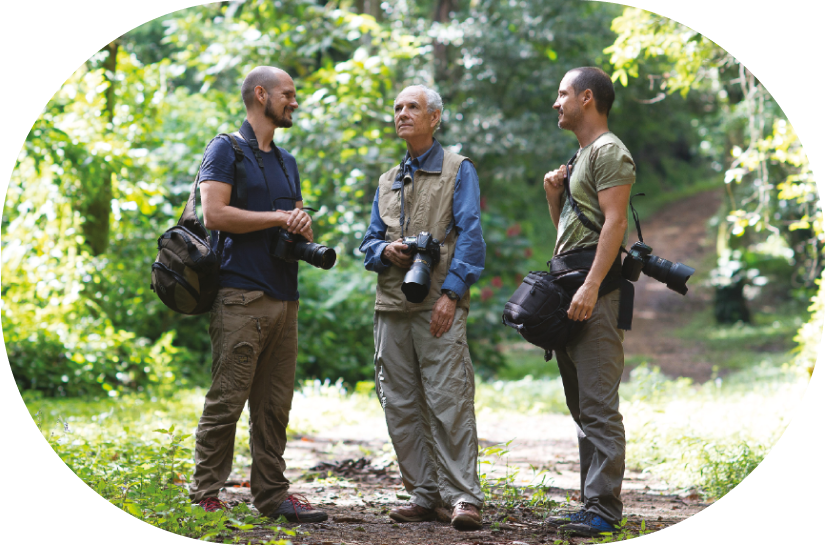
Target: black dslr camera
639 259
427 253
291 247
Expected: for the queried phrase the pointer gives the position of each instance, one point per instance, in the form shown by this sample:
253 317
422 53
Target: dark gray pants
591 368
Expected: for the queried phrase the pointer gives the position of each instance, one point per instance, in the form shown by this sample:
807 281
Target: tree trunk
96 204
440 51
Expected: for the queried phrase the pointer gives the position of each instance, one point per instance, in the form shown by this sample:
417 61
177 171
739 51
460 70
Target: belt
582 259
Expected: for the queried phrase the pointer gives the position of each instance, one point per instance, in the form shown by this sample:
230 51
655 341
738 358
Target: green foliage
769 183
80 318
116 448
644 35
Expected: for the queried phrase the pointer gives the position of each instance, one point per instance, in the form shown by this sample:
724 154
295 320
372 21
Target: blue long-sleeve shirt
468 260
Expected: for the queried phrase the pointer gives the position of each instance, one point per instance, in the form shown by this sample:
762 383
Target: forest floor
348 470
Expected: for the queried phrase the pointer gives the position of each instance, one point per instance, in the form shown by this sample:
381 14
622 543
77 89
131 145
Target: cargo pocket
242 298
241 347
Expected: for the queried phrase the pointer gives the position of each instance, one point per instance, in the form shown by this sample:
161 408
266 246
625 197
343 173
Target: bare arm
553 190
613 203
218 215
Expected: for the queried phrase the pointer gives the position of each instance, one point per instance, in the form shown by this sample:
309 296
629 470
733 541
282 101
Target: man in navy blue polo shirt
254 321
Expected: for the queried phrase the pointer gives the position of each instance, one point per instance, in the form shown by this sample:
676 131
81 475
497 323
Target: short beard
571 120
279 121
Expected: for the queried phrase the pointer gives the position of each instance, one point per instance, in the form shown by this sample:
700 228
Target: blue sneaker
592 525
567 518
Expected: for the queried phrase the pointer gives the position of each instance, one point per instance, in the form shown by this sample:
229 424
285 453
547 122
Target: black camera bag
186 270
538 309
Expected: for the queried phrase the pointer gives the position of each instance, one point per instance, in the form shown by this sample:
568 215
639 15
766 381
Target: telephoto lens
674 275
426 253
416 284
315 254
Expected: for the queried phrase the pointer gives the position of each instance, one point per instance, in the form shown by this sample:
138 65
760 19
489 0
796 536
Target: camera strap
248 134
636 216
613 280
573 204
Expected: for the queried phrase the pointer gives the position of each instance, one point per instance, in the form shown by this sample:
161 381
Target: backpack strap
189 218
240 172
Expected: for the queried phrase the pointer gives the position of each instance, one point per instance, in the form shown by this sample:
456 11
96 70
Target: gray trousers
591 368
426 386
254 351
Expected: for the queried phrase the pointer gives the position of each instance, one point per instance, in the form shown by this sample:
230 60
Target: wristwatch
453 296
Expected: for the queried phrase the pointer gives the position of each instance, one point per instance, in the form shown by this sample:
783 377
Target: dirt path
347 472
342 471
679 234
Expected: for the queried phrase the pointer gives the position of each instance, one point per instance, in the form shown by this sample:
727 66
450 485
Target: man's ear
587 97
436 119
260 94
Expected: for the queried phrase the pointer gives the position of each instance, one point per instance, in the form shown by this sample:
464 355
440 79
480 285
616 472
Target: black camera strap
613 280
572 202
636 216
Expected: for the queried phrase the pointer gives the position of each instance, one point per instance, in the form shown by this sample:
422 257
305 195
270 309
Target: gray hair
434 101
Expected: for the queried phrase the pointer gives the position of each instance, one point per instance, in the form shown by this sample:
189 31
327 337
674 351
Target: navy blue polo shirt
246 262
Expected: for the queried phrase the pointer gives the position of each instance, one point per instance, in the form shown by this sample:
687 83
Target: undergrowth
136 451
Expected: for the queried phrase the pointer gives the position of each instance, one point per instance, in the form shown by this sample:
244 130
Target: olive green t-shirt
602 164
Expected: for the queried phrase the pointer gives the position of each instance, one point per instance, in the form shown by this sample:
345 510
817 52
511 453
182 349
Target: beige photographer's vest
430 208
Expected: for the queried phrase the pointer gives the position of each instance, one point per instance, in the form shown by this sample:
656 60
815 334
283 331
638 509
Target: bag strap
189 218
573 204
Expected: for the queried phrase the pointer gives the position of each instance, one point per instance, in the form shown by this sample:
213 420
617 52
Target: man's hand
581 307
396 253
554 183
299 222
442 317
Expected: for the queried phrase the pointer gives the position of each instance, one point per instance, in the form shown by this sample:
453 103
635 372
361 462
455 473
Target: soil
678 233
343 472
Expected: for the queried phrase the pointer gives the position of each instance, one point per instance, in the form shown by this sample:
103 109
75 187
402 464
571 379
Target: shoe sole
581 531
401 518
304 518
466 523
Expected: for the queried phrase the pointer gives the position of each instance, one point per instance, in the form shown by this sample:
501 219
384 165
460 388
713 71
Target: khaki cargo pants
426 386
254 352
591 368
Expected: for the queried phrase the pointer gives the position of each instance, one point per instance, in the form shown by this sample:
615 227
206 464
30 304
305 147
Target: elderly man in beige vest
423 374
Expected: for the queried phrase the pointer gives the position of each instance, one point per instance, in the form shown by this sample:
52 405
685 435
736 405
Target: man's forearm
239 221
555 205
610 242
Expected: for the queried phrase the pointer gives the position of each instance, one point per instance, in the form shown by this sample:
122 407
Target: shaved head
265 76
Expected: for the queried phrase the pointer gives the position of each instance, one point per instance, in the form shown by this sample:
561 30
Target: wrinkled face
411 118
567 104
280 103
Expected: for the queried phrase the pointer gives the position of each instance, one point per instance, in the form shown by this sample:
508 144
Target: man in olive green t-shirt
592 362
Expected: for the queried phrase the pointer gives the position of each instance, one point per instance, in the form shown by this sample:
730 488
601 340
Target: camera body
291 247
426 255
640 259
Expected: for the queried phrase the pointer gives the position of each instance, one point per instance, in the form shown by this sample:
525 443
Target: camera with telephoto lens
427 252
639 259
291 247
